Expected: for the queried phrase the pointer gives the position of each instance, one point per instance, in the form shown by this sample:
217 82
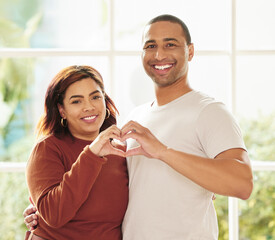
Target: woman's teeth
89 118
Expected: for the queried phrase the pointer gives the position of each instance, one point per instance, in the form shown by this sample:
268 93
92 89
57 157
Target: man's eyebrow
81 96
149 41
165 40
170 39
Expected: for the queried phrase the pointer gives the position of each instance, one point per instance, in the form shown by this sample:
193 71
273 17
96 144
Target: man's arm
229 173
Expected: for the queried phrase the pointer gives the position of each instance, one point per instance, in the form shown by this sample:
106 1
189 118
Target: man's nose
160 54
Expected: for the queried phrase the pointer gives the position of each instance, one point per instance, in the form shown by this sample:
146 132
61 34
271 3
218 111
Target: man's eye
150 46
171 45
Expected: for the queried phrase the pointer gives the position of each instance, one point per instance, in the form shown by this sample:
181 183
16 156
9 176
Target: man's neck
169 93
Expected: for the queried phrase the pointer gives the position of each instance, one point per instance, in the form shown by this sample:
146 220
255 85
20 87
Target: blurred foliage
221 206
13 200
19 20
16 74
257 214
259 137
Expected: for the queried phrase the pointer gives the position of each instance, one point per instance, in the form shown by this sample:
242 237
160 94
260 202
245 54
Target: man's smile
162 67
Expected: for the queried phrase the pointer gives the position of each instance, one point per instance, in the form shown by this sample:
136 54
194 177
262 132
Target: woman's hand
30 217
106 143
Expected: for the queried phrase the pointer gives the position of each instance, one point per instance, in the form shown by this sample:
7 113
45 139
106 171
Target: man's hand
30 217
150 146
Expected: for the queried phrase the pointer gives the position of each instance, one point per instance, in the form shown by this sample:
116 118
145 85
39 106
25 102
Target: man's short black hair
173 19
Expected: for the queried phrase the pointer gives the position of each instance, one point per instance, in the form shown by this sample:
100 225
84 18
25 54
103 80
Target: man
189 147
185 146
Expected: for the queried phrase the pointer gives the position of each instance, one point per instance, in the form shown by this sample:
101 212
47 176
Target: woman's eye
75 101
96 97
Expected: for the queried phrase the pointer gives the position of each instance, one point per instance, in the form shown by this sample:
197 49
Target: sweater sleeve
58 194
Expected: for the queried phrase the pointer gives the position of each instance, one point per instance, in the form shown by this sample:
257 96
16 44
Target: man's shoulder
138 110
202 98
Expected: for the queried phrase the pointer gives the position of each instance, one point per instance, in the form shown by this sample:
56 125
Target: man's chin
161 83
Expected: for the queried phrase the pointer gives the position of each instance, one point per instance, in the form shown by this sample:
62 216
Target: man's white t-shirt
163 204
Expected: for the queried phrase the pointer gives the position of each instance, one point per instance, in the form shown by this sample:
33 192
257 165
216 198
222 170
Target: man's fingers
29 210
31 226
30 221
131 127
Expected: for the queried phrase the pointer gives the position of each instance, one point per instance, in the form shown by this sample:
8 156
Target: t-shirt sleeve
218 130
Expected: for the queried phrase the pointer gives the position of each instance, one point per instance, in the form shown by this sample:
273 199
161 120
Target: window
234 62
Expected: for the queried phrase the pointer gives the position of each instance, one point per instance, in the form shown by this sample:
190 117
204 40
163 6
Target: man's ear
191 51
61 111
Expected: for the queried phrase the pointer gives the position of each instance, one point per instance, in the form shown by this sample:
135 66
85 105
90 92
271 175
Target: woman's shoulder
47 139
49 142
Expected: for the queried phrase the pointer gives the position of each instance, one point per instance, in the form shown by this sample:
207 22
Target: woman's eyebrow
81 96
76 96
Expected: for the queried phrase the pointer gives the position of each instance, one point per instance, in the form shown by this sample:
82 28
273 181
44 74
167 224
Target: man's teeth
162 67
89 118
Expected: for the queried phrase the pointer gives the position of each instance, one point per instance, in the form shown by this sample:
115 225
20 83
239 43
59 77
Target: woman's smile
84 109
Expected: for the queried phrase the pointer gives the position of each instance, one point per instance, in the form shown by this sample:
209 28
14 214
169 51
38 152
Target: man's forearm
228 174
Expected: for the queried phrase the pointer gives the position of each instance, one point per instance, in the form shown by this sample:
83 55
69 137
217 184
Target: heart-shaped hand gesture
111 141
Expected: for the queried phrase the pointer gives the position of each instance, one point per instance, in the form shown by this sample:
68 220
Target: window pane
14 20
132 86
209 26
257 214
15 123
211 75
255 85
255 25
56 24
13 199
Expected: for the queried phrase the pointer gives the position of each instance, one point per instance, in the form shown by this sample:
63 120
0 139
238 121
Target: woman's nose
88 106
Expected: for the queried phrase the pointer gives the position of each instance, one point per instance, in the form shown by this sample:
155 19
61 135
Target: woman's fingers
103 146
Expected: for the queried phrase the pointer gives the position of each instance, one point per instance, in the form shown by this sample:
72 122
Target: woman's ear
61 111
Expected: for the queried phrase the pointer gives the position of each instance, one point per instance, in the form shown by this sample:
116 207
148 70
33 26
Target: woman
76 175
